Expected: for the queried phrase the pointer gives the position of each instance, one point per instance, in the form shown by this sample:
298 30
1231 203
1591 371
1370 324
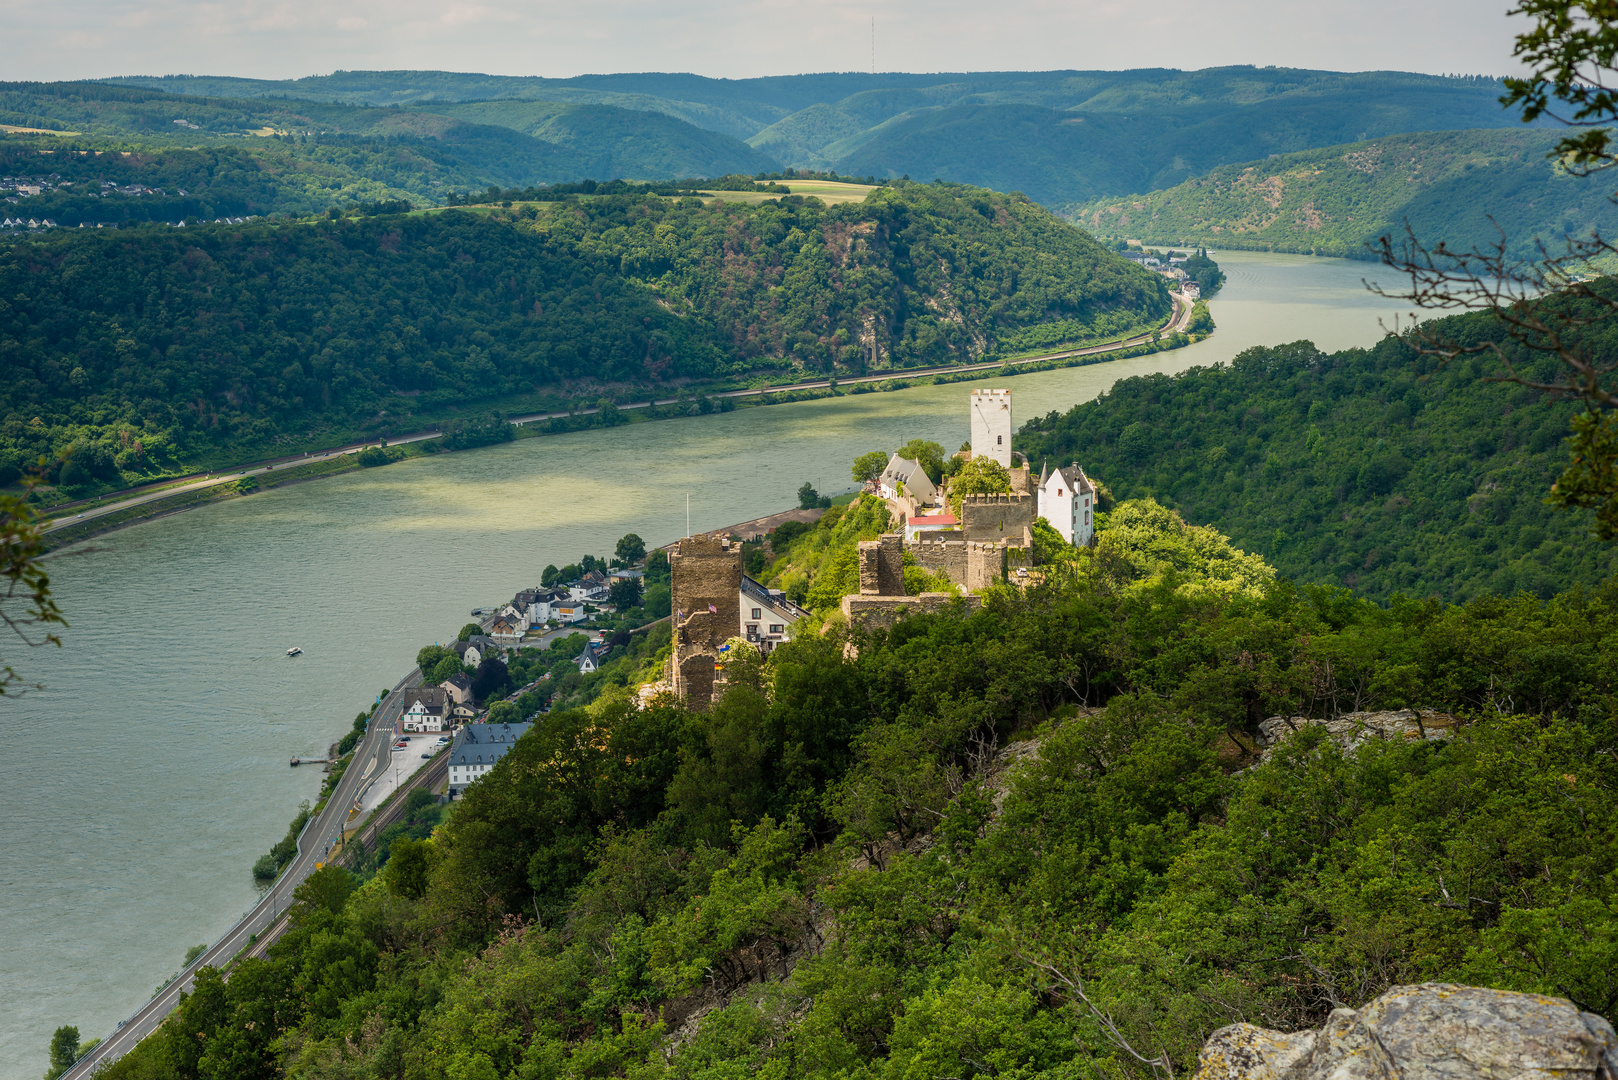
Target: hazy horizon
290 39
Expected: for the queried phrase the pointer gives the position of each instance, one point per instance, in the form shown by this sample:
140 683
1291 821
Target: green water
153 770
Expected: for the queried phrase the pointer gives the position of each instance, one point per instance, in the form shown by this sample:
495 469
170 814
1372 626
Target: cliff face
1434 1031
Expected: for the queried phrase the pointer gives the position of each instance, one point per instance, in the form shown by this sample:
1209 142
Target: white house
1067 500
592 586
476 750
911 476
766 614
590 659
476 649
425 709
991 425
569 611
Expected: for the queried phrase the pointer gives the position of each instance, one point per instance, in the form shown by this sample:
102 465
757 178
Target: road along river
153 770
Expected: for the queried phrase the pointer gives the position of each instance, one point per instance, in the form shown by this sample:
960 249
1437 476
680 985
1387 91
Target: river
152 771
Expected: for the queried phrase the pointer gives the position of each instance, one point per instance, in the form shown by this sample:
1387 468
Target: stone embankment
1434 1031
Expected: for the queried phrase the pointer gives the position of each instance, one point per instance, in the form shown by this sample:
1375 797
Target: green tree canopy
867 467
631 549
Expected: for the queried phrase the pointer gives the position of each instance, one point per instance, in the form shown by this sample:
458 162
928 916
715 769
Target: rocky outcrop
1434 1031
1351 730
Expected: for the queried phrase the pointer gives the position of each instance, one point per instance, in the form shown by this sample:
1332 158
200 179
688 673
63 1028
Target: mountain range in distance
1061 137
1273 158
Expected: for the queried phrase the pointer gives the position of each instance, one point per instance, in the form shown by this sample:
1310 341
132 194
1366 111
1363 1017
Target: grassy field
825 190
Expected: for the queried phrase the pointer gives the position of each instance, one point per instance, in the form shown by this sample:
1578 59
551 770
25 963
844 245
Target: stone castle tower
991 425
706 575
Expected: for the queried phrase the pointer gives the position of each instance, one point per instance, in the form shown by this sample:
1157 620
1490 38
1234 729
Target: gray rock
1351 730
1434 1031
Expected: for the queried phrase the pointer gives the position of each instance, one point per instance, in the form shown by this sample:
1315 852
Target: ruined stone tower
706 582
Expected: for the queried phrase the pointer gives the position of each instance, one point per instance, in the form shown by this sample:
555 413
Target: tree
447 667
928 454
504 712
657 601
469 631
867 467
26 606
549 576
624 593
657 566
409 864
1549 305
630 550
590 563
490 678
980 476
808 497
64 1051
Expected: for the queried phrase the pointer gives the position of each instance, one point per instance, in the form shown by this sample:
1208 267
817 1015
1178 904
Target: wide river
152 771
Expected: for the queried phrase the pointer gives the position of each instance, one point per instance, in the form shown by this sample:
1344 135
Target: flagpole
688 513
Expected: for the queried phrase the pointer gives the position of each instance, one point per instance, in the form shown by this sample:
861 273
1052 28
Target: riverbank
111 511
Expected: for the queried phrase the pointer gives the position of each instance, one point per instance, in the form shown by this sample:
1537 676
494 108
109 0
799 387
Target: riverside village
670 620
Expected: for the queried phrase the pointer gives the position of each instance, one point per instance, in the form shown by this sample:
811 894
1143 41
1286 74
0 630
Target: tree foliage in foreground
828 858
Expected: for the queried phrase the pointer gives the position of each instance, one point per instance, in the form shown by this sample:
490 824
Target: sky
278 39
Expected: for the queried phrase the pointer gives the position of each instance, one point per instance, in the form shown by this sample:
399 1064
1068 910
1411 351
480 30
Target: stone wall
998 517
882 566
985 565
947 557
881 612
705 571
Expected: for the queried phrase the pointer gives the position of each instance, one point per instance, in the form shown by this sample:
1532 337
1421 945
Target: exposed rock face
1350 730
1434 1031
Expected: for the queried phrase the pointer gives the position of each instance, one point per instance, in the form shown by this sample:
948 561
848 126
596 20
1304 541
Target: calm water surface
153 770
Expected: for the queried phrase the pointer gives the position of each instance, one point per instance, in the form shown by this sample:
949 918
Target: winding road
370 758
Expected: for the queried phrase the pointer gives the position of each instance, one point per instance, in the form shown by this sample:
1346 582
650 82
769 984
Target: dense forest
1463 187
1021 842
1373 469
150 346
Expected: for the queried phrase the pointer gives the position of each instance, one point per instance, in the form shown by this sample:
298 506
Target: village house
459 687
766 614
592 586
476 649
505 630
1067 500
916 527
476 750
903 477
591 658
426 708
569 611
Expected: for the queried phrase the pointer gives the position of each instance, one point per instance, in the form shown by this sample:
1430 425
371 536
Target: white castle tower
991 425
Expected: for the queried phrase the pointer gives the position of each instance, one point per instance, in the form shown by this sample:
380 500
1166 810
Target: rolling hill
1062 137
1462 186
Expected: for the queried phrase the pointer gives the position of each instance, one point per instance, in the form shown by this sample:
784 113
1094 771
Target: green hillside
1018 843
371 151
1369 469
1334 201
1062 137
158 345
612 142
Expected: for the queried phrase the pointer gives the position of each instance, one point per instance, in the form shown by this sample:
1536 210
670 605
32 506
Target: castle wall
882 566
947 557
882 612
998 517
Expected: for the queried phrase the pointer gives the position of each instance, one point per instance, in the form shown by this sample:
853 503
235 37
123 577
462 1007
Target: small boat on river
294 651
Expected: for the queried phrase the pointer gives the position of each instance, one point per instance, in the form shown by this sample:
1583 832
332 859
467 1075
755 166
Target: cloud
352 22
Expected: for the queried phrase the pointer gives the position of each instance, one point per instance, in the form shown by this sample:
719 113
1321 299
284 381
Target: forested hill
1463 187
310 154
158 345
1369 469
1062 137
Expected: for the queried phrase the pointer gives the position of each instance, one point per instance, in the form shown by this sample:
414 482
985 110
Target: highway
370 757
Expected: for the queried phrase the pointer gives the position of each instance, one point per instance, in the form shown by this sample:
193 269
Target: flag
712 610
724 648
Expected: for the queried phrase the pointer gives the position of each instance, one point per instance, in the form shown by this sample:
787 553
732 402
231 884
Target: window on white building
777 628
758 614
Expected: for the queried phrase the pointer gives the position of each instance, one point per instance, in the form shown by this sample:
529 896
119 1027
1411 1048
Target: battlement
1001 516
882 566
